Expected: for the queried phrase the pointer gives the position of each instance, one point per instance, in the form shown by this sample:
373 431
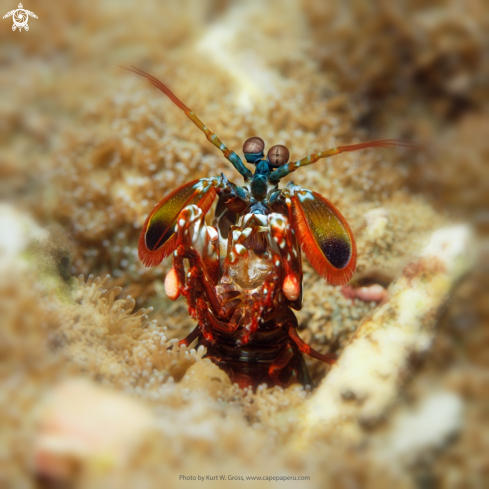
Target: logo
20 17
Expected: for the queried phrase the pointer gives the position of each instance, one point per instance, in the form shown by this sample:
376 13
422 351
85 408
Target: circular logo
20 19
20 16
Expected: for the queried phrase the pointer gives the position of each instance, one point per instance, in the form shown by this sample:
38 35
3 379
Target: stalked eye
278 155
253 145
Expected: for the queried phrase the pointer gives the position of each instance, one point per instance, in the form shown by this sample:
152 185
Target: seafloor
89 393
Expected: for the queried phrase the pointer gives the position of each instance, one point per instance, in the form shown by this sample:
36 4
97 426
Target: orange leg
225 326
305 348
191 337
280 363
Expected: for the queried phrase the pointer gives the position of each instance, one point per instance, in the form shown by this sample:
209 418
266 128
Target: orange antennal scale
157 239
325 236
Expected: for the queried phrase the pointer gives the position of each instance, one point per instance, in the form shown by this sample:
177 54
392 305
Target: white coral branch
366 379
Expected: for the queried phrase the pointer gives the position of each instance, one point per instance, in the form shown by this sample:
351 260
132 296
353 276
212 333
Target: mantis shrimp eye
278 155
253 145
253 149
